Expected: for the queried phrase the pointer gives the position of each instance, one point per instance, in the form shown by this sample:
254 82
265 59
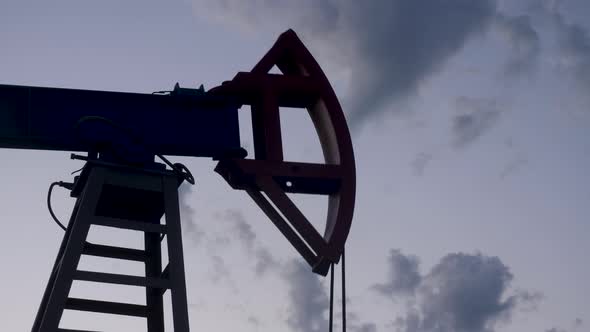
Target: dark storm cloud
403 276
308 299
476 116
462 293
523 40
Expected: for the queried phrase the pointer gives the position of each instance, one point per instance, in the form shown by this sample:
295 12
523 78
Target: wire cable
331 315
50 208
77 171
343 292
331 297
64 185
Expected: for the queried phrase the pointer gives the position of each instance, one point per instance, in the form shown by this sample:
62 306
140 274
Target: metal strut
126 198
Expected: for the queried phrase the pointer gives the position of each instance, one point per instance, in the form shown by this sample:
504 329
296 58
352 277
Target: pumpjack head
268 177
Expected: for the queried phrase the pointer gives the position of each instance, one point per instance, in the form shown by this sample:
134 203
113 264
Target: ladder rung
129 224
106 307
121 279
114 252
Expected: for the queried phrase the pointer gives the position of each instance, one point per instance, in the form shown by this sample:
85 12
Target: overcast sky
470 124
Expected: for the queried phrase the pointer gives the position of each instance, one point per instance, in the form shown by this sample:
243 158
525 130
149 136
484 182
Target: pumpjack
123 186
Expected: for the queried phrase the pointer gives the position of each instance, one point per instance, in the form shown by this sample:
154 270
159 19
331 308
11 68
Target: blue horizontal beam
183 125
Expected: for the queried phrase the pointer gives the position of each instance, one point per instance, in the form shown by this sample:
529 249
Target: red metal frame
267 178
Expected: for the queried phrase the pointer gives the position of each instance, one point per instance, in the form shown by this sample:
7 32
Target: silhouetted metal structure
122 186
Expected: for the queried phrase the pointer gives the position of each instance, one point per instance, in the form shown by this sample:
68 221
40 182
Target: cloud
577 324
476 116
364 327
243 230
388 48
528 301
513 166
555 329
403 277
254 321
420 162
462 293
264 261
523 40
219 269
309 302
187 215
308 299
573 43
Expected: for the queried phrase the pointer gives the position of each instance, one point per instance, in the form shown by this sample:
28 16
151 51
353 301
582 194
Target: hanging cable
61 184
343 292
331 297
331 315
77 171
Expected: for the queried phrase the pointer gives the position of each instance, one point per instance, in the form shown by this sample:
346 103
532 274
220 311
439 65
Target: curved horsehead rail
267 178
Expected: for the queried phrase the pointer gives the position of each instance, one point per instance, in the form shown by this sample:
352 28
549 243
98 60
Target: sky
469 121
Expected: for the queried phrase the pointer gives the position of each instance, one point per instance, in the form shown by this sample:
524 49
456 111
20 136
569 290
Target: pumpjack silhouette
128 183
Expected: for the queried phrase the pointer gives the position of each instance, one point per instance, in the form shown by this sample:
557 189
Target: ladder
127 198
